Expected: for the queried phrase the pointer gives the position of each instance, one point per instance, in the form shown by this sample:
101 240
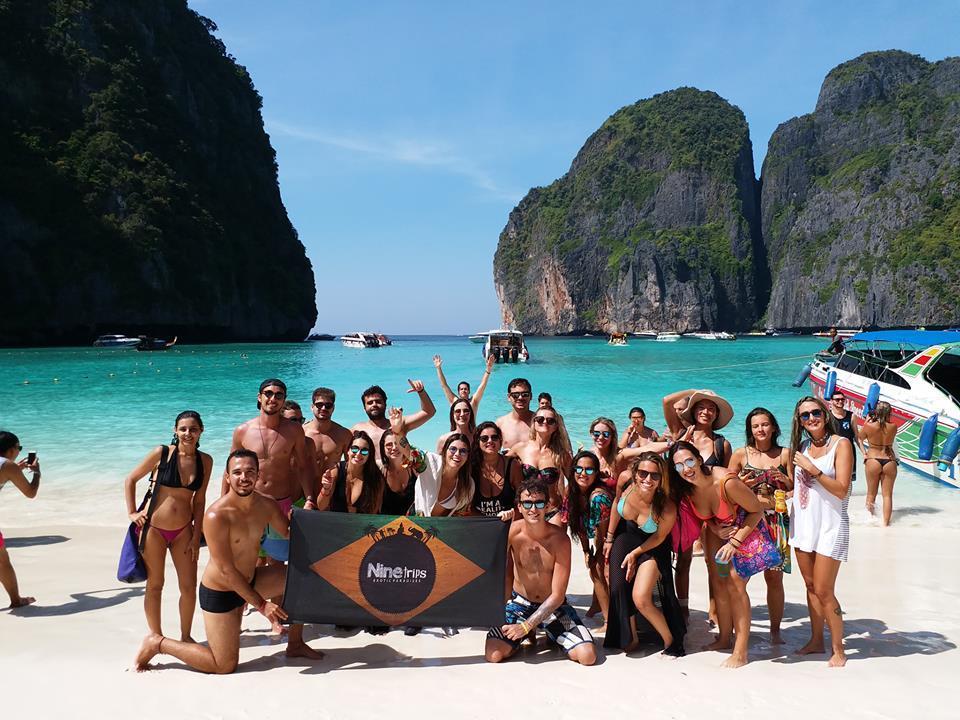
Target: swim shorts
563 626
221 601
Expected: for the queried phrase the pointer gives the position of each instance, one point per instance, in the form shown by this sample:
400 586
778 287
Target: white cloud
403 151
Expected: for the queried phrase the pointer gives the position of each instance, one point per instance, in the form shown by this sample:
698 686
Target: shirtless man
331 439
463 387
275 443
374 400
515 425
538 569
232 526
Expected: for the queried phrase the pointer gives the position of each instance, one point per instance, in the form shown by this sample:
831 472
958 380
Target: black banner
352 569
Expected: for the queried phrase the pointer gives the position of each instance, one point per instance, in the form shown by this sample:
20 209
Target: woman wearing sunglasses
495 476
714 496
546 455
762 465
821 465
614 459
588 511
357 483
462 420
639 555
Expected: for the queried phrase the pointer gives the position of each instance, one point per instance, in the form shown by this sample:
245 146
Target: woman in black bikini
495 477
880 464
546 455
399 477
358 484
762 465
173 518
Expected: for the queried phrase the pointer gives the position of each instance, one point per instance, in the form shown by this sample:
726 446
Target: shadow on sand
22 542
82 602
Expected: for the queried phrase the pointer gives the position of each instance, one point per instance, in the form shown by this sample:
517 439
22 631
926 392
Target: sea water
92 414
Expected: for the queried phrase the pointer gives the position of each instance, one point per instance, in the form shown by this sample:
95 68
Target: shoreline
901 626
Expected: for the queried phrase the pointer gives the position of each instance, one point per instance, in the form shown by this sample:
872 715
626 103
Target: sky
406 132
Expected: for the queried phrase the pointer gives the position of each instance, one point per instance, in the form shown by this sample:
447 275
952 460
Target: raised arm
672 404
130 484
478 395
438 364
427 410
14 474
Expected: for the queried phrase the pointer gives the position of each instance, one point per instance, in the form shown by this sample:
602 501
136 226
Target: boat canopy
919 338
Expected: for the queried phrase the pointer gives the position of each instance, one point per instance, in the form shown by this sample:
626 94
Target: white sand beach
70 655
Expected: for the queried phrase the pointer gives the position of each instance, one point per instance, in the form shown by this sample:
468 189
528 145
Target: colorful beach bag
758 552
131 568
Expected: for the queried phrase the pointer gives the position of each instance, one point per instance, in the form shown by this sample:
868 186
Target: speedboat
506 346
478 338
702 335
383 340
115 341
152 344
646 334
667 337
360 340
918 373
618 339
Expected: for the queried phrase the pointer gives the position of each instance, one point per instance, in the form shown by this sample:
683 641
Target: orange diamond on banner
397 570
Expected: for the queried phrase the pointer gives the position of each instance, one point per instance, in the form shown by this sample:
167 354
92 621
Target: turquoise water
92 414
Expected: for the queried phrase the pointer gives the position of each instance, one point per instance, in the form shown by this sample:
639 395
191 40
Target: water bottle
723 566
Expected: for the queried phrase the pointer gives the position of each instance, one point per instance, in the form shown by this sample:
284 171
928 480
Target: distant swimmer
538 571
232 526
11 471
516 424
330 438
374 400
181 473
463 387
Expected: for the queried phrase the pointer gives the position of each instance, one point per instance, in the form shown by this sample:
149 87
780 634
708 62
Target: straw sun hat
724 409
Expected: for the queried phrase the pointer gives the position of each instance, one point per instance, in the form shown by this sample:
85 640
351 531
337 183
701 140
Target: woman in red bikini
182 474
714 495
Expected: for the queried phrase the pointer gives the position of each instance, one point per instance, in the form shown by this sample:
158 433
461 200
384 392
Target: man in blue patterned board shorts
538 571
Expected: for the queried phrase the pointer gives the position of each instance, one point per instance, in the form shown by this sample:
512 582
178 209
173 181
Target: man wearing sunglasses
330 438
275 443
515 425
374 400
538 570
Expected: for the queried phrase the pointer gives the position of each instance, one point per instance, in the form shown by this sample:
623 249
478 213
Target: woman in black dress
639 557
495 477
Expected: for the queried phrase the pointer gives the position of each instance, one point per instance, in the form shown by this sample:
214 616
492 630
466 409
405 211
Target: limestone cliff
655 226
860 199
138 189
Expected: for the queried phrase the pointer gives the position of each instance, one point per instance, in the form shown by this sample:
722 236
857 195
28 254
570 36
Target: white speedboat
507 346
646 334
115 341
918 373
667 337
360 340
702 335
478 338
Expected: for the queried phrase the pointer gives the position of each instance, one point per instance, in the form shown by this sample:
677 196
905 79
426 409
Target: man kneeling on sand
233 526
538 569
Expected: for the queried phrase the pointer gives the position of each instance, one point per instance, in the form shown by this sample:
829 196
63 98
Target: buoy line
734 365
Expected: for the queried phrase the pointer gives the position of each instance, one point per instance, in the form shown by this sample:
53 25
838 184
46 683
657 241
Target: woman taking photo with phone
11 472
173 518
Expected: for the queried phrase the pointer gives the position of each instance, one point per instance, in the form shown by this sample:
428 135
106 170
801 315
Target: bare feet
22 602
149 649
775 638
814 647
303 650
719 644
734 661
838 659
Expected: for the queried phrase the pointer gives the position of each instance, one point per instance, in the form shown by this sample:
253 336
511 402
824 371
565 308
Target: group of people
636 503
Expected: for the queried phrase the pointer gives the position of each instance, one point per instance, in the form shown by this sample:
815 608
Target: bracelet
734 541
608 541
525 627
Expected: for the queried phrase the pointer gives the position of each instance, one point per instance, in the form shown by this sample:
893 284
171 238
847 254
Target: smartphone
31 457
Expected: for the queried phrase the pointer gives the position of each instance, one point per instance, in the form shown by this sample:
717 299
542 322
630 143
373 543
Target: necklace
819 443
263 443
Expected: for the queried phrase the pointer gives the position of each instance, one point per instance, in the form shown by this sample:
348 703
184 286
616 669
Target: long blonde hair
612 450
559 440
797 431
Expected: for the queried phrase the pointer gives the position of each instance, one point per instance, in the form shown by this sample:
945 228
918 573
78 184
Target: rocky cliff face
138 189
655 226
860 199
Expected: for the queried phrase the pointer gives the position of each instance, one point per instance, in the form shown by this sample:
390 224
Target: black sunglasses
644 474
520 395
804 416
543 420
321 405
270 394
489 438
530 504
598 433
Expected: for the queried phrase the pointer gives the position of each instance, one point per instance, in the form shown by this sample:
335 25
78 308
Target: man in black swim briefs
232 526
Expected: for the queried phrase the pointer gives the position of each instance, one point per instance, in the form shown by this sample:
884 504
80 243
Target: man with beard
232 526
374 400
331 439
515 425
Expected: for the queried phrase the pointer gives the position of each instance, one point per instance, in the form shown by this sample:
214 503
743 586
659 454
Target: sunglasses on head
597 433
270 394
804 416
688 463
584 470
530 504
323 405
489 438
521 395
457 451
544 420
357 449
644 474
